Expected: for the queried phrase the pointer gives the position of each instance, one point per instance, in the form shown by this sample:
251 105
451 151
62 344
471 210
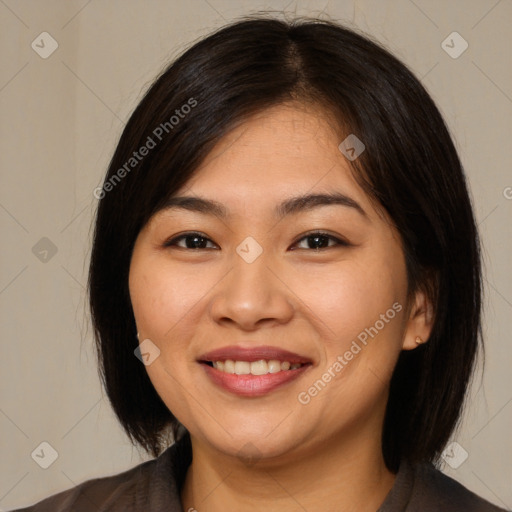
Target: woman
276 282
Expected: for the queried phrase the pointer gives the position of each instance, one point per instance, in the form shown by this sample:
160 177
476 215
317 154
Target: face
318 287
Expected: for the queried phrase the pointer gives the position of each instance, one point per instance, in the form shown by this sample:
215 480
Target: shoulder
435 491
151 486
99 493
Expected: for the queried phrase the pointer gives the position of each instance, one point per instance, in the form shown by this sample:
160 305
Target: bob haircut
410 169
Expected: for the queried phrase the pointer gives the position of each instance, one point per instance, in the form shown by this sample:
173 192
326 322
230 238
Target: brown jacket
153 486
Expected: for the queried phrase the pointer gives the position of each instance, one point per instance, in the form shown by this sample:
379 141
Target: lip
252 385
236 353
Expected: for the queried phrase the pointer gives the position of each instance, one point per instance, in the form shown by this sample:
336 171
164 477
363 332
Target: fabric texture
154 486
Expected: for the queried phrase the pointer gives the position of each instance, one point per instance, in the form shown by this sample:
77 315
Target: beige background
60 120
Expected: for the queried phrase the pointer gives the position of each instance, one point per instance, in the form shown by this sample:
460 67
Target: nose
251 295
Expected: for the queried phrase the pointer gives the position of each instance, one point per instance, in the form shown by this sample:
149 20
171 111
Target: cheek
162 296
350 298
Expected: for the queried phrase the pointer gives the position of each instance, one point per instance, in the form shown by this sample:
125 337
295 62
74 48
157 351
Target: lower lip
252 385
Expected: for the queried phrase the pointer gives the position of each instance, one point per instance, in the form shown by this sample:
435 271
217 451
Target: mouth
260 367
253 372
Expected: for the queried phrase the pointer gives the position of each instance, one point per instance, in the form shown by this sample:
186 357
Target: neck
340 474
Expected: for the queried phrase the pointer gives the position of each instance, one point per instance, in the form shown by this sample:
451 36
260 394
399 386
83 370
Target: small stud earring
137 335
418 340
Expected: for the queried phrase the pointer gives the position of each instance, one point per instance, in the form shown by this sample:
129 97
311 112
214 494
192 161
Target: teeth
274 366
229 366
260 367
242 367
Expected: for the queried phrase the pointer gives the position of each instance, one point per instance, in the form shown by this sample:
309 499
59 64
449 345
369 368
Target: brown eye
192 240
320 240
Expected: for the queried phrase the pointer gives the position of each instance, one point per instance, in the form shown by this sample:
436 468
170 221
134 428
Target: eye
195 241
320 240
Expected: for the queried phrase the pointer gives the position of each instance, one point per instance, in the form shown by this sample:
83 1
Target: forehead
283 150
268 166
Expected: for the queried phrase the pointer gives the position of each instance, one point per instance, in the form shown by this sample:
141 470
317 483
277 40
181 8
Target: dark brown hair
410 168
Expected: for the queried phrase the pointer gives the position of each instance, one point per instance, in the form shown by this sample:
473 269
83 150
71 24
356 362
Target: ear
420 322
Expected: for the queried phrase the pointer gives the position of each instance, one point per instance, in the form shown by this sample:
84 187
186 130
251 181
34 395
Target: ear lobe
420 322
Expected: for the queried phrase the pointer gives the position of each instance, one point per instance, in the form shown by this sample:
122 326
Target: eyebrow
290 206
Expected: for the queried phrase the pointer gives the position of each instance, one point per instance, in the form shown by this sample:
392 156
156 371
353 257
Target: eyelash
339 242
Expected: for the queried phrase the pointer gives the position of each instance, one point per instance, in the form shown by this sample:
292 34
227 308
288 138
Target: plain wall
60 121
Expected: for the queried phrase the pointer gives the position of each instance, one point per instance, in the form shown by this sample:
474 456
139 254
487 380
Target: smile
252 371
260 367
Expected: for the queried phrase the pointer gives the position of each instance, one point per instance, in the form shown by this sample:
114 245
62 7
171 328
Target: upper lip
236 353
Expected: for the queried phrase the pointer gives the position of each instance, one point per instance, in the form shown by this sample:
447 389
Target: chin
252 444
